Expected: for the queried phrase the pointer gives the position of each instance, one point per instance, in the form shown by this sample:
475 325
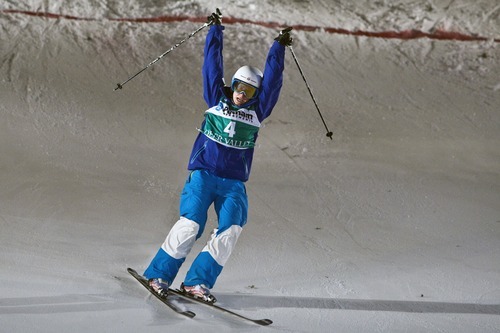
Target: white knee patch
221 246
181 238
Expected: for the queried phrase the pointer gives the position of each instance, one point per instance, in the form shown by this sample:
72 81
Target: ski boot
199 291
159 286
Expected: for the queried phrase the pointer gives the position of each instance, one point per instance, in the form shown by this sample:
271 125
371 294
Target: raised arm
213 65
272 80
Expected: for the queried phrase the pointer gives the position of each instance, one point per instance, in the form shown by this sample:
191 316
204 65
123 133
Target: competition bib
235 128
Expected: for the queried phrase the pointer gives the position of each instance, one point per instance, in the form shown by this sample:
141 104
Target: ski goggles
245 89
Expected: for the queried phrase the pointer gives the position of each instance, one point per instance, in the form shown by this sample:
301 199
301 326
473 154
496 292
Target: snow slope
393 226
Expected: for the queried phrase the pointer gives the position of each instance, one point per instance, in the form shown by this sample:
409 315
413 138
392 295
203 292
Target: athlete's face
239 98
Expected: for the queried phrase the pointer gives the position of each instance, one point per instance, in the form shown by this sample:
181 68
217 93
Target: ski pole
328 132
210 22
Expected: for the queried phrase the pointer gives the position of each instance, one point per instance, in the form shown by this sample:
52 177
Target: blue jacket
223 161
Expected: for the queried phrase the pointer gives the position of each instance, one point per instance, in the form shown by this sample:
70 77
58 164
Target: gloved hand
215 18
284 38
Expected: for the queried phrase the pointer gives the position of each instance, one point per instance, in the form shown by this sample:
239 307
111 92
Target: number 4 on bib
230 129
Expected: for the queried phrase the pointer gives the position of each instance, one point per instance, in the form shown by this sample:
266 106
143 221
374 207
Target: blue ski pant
201 190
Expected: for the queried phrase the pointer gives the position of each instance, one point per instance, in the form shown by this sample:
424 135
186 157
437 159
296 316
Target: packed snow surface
392 226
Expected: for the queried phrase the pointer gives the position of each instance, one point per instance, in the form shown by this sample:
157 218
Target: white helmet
250 75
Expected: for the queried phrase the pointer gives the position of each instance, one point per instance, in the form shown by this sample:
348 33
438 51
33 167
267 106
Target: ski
180 293
164 300
190 314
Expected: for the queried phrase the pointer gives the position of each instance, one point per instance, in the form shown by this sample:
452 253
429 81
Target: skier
219 166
